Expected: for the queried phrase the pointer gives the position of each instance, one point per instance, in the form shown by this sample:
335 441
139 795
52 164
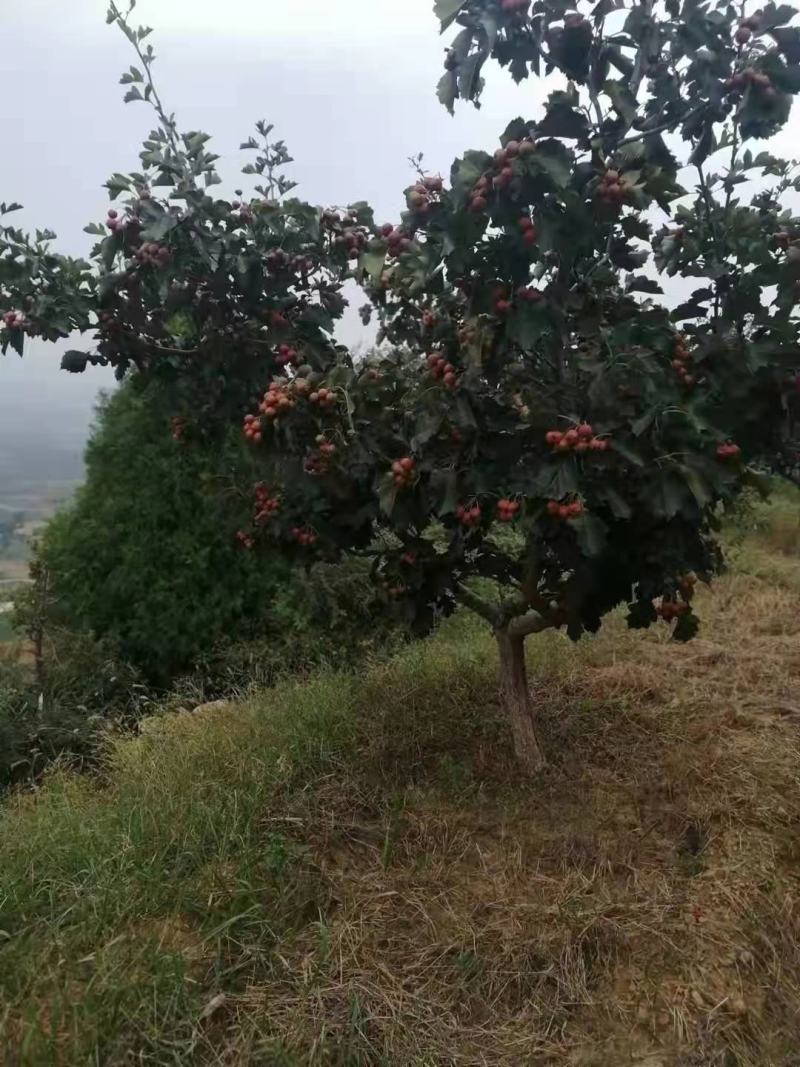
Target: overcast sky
348 83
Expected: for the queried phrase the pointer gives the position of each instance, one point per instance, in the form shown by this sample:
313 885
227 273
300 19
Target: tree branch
528 624
478 605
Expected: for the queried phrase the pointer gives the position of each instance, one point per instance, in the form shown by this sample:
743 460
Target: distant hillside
45 417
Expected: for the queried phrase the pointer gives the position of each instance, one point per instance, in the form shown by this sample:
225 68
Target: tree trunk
517 701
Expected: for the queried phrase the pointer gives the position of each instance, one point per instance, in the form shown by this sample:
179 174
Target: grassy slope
347 871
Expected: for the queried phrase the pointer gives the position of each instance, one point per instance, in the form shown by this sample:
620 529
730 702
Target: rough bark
517 701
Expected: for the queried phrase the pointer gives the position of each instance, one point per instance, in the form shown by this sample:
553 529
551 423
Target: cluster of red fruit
745 29
686 586
326 398
729 450
287 354
565 511
525 293
756 78
672 609
409 558
468 516
178 427
397 240
440 368
277 400
783 238
403 472
613 189
428 319
682 361
252 429
152 254
304 536
354 239
528 228
319 462
529 294
419 197
244 211
114 222
277 259
507 510
580 439
267 504
245 539
503 172
513 7
15 320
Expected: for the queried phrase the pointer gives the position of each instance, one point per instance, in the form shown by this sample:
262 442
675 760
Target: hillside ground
347 870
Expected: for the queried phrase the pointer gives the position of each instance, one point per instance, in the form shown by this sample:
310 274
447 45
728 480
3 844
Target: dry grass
349 872
638 906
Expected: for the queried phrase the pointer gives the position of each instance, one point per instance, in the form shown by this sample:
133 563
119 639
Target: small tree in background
141 556
542 438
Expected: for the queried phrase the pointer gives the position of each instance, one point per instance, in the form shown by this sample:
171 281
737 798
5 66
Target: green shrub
82 692
146 554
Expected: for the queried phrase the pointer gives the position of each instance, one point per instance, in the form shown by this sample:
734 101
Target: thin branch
664 126
708 200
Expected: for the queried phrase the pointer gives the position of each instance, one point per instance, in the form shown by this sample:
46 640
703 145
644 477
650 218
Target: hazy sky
348 83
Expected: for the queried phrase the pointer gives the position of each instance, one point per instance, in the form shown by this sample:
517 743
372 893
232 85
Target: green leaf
527 324
592 534
555 160
644 422
622 100
641 614
639 283
686 627
427 427
701 490
371 262
627 453
667 495
619 506
447 89
74 362
387 494
132 94
445 490
447 11
563 119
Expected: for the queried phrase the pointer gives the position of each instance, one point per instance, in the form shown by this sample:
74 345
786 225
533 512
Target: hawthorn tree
542 434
